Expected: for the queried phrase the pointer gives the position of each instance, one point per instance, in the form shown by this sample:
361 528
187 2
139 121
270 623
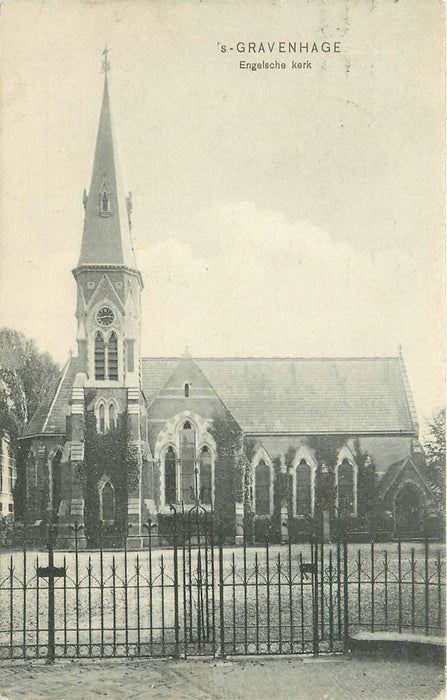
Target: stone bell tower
108 316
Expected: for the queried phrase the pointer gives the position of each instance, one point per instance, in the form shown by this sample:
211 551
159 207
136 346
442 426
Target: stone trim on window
192 453
343 507
303 454
106 413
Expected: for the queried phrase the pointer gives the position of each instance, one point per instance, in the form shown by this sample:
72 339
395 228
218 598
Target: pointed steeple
107 238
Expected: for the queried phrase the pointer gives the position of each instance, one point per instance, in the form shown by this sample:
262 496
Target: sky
295 212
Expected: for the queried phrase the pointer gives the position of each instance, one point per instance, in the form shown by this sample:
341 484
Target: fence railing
199 597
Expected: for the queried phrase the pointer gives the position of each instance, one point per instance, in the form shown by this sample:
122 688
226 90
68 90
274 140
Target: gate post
51 649
345 599
176 622
314 566
221 596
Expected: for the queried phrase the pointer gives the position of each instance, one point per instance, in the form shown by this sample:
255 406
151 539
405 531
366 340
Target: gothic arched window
105 202
107 498
170 476
99 356
205 477
186 389
345 489
188 461
303 489
112 415
113 356
262 488
101 418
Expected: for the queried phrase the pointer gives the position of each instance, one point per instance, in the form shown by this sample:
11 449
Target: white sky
291 213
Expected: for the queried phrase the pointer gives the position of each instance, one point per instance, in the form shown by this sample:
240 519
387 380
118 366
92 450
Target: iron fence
195 596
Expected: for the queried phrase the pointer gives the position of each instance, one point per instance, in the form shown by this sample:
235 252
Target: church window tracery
187 468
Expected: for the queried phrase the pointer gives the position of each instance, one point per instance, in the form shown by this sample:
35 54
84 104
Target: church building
280 446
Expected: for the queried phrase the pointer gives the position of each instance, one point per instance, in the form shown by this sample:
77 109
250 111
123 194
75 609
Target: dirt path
330 678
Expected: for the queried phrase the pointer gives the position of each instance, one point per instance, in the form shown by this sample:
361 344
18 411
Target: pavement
280 678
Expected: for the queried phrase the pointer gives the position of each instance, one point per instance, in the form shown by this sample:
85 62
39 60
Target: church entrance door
409 512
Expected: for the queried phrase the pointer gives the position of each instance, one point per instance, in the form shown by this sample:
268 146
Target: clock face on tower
105 316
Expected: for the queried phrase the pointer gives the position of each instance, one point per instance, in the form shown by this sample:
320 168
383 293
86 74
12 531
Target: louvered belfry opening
99 357
113 356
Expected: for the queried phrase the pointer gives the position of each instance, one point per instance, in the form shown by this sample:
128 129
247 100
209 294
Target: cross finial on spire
106 62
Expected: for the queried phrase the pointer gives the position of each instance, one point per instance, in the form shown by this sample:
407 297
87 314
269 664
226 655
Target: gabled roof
49 419
393 475
155 371
107 237
274 396
302 395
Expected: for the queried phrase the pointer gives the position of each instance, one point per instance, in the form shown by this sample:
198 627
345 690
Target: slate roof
303 395
276 395
155 371
49 419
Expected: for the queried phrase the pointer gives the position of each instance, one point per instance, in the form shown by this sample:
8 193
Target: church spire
107 238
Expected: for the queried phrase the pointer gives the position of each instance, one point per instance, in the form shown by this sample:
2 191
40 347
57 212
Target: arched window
205 477
99 356
262 488
105 202
188 459
113 356
56 481
303 489
101 419
108 503
170 477
186 389
112 415
345 489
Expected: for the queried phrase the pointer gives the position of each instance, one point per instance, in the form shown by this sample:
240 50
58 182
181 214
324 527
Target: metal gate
187 594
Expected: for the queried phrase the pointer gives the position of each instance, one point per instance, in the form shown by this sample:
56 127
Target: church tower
107 384
108 282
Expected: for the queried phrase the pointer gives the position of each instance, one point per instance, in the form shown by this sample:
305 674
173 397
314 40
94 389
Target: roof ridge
275 357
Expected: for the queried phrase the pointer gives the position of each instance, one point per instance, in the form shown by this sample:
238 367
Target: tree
435 458
26 378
